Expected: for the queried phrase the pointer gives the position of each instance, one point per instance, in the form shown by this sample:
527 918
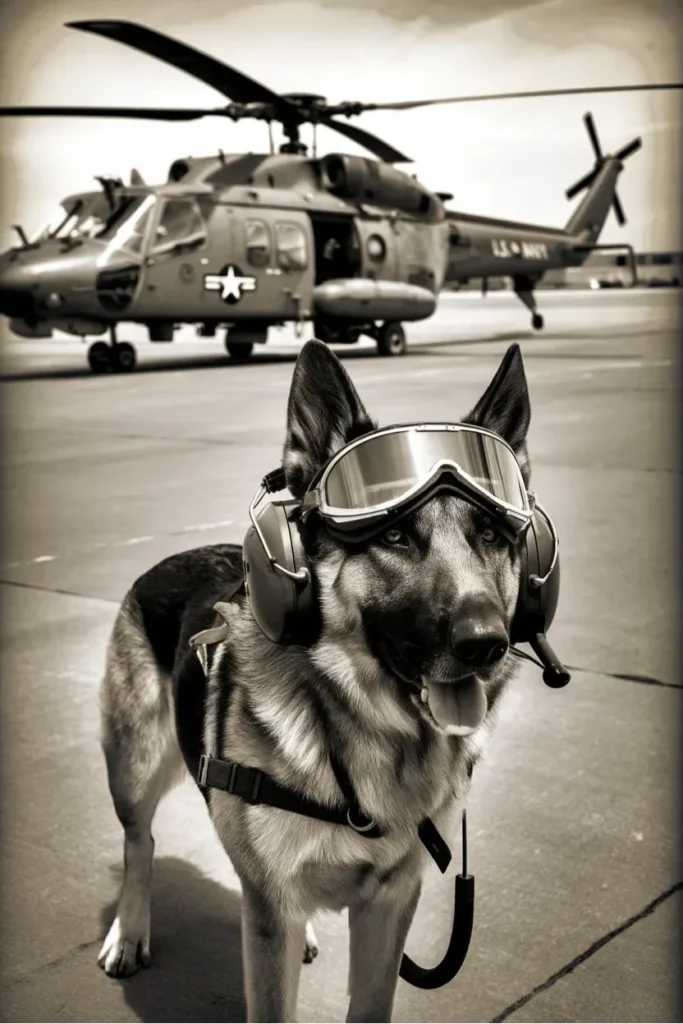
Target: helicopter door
378 249
278 257
174 260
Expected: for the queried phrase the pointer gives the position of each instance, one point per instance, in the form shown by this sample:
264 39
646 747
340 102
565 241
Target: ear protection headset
281 587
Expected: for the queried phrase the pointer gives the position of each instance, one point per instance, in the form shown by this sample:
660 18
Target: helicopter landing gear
98 357
335 334
118 356
391 340
123 357
240 340
239 351
524 290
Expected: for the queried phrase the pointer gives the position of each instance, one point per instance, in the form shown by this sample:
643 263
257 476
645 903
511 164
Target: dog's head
423 610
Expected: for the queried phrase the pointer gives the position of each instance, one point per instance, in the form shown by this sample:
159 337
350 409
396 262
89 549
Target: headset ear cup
536 606
280 605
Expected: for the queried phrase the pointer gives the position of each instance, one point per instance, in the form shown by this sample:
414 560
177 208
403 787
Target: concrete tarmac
572 817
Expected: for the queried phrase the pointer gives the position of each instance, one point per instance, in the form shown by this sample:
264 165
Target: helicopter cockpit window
290 242
376 247
258 243
126 224
80 220
181 227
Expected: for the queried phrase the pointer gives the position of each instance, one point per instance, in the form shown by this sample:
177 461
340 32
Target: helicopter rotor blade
631 147
351 108
138 113
618 210
593 136
227 80
580 185
370 142
222 77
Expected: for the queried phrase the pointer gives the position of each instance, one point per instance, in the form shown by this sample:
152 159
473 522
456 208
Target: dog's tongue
459 708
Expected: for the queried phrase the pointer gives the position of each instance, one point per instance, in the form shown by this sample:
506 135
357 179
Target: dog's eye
395 538
489 535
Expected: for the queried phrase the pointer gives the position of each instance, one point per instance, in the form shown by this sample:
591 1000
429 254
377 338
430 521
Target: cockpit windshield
93 217
78 219
126 225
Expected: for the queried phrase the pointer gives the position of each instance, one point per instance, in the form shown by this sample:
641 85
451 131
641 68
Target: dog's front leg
379 928
272 944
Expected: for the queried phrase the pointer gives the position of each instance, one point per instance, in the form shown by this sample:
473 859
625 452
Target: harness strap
256 787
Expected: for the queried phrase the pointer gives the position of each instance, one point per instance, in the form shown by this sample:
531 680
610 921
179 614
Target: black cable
461 933
525 656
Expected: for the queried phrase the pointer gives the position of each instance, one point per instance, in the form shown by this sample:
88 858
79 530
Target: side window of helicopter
258 243
376 248
290 244
181 228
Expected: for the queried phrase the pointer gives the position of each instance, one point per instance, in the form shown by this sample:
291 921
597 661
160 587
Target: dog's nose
480 649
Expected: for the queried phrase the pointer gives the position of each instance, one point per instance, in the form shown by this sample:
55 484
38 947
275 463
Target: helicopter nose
16 297
47 283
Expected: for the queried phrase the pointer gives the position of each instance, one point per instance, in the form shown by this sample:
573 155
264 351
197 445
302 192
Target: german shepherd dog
431 601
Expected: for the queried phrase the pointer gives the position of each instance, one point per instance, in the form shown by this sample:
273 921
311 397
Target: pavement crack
29 976
587 954
55 590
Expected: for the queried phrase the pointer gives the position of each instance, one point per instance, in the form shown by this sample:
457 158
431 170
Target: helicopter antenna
315 140
270 137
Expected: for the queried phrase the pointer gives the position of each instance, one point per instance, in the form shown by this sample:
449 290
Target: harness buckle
252 797
203 769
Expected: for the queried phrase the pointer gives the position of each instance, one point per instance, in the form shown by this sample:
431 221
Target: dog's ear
324 413
504 407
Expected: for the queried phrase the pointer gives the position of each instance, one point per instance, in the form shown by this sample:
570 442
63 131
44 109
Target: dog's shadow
196 969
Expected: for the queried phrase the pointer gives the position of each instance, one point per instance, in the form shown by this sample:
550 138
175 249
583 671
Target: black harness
254 786
257 787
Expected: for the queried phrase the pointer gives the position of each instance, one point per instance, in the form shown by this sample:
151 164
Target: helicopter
244 242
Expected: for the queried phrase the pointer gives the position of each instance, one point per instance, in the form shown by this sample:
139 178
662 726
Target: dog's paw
123 952
310 944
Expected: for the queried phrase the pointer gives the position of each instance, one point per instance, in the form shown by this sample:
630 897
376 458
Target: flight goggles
390 472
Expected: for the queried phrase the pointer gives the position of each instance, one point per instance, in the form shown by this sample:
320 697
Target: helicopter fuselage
257 250
248 242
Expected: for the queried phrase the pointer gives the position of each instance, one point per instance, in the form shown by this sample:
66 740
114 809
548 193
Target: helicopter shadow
196 969
445 346
219 361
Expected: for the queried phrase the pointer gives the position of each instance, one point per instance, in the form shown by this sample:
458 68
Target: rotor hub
305 100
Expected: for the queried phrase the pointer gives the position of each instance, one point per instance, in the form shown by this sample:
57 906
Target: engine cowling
366 181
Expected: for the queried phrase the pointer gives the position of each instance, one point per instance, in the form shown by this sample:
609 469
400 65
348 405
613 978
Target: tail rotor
600 160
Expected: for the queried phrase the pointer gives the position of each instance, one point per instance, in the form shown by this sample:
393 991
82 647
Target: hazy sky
511 159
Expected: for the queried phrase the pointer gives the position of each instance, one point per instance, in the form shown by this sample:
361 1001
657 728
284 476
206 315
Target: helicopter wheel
329 333
391 340
351 336
537 322
123 357
99 357
239 351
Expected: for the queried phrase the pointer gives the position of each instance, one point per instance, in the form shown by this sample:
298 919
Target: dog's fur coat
393 612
